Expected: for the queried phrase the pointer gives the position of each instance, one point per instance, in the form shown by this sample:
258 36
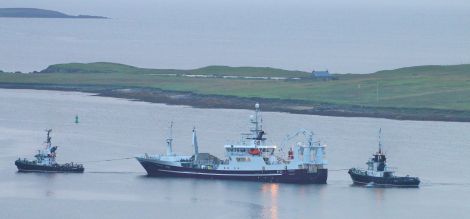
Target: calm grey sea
343 36
112 128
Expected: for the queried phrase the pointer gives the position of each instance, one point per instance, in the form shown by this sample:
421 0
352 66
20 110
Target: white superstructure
251 153
47 155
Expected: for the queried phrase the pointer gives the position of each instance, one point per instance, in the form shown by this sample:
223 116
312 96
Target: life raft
254 151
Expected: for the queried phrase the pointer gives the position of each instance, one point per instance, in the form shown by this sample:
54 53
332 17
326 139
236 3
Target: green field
425 87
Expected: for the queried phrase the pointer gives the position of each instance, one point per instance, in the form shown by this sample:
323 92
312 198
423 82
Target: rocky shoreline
273 105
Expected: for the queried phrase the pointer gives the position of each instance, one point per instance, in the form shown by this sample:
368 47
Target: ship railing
186 160
25 160
358 171
224 162
73 165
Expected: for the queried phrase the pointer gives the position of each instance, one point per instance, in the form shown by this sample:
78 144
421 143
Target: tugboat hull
300 176
27 166
395 181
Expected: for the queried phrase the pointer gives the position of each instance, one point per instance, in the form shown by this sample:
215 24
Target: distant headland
432 92
40 13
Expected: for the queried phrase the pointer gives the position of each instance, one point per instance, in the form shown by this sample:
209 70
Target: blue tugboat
378 174
250 159
45 161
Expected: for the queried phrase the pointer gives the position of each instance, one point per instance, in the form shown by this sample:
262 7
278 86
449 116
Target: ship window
243 159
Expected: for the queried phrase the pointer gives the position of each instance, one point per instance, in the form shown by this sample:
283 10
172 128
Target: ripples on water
343 36
110 128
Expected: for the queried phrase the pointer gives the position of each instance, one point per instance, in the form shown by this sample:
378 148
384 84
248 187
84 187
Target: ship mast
195 145
48 139
380 141
256 118
169 141
257 121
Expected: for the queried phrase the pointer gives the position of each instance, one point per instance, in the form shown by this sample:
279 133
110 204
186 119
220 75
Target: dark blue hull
27 166
394 181
283 176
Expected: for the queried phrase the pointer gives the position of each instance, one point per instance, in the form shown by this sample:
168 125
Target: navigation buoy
76 119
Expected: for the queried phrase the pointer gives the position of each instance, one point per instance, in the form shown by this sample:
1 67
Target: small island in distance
40 13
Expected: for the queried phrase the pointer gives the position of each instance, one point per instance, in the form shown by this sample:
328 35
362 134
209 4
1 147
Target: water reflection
379 195
126 194
50 193
50 179
377 192
271 189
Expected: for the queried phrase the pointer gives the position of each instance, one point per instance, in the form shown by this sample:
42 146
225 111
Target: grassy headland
39 13
421 93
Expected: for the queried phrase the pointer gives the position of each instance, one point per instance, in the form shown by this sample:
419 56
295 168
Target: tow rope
338 169
107 160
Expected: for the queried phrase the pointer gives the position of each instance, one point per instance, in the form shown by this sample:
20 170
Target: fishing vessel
45 160
379 174
252 158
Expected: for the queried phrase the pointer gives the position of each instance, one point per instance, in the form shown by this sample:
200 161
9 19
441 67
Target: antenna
380 141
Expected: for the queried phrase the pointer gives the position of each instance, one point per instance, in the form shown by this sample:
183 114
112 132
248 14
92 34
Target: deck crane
305 150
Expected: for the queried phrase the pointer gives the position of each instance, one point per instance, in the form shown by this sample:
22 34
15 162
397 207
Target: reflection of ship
379 174
250 159
45 161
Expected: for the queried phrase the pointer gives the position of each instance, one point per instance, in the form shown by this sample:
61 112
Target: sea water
111 128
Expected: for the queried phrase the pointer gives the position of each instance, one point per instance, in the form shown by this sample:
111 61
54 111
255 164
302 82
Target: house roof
321 74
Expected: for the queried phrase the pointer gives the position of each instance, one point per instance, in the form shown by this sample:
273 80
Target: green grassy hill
107 67
426 87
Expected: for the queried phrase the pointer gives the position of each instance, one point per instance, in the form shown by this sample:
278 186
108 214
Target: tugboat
250 159
45 161
378 174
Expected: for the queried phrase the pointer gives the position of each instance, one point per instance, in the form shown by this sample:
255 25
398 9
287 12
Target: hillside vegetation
425 87
106 67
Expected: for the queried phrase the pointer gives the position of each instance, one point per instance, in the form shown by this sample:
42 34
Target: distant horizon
343 37
229 66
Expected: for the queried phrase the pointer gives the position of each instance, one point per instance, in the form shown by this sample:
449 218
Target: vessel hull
30 167
395 181
300 176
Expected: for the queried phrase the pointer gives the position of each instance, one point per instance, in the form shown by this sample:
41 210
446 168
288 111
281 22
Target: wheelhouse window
243 159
